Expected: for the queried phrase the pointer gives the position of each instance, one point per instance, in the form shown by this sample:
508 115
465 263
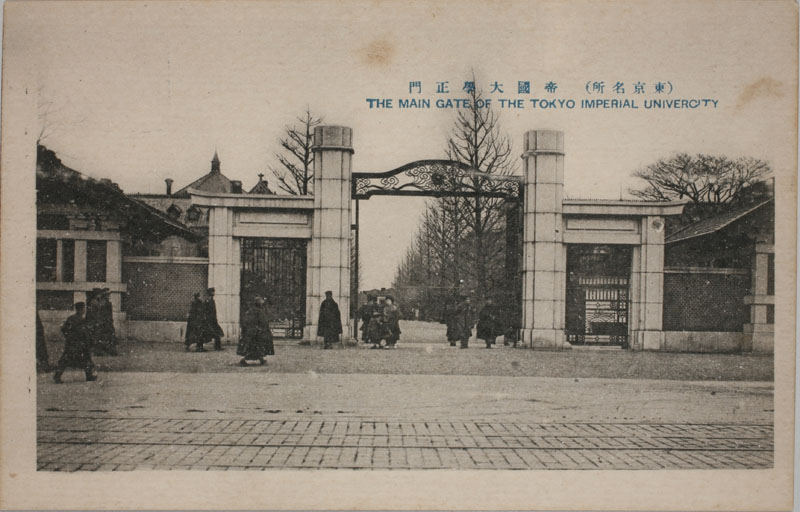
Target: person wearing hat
463 321
77 346
489 327
256 338
214 330
448 315
391 318
195 333
376 330
329 324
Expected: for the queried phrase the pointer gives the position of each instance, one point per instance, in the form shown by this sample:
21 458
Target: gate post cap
544 141
333 137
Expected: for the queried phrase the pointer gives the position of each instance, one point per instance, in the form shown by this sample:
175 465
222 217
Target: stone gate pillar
224 269
544 256
329 262
762 323
647 287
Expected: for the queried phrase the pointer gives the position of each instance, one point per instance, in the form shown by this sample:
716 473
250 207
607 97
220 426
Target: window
68 261
46 255
96 261
193 214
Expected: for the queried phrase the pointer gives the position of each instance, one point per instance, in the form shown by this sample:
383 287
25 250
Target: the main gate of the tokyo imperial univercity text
549 226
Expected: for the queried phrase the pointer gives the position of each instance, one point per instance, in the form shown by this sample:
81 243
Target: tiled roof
715 223
214 181
261 188
164 202
53 178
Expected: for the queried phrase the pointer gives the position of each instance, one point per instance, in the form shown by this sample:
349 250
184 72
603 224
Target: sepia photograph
370 255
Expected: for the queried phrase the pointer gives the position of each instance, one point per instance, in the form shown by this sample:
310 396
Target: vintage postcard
501 255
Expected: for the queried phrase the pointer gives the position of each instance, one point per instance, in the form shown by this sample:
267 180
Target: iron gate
597 301
275 269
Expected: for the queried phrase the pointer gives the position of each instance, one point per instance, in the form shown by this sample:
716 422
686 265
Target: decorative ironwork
598 295
435 178
275 269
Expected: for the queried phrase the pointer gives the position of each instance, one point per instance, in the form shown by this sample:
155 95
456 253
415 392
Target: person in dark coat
214 330
365 315
256 339
463 321
94 320
376 330
489 327
195 324
42 357
77 346
329 325
106 336
391 319
447 318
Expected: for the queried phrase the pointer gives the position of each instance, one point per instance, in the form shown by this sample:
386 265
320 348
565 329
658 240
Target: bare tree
709 183
460 241
702 179
295 174
477 140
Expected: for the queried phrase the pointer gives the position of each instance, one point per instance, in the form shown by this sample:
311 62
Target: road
255 420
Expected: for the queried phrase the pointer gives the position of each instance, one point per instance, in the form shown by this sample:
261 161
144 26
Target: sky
138 92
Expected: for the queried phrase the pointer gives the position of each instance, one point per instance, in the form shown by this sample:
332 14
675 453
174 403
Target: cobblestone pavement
90 443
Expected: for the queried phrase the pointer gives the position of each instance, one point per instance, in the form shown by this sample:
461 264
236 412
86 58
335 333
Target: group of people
89 330
380 324
461 318
202 325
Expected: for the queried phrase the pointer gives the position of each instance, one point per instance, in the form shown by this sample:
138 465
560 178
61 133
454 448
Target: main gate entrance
597 300
450 178
275 269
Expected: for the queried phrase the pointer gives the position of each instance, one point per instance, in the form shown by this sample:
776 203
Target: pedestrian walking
329 324
42 357
214 330
256 340
77 346
489 327
391 319
463 321
195 324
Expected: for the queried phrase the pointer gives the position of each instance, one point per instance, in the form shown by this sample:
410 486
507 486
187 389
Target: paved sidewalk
129 421
81 443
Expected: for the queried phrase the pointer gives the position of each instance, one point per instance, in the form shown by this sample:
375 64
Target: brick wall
161 290
713 300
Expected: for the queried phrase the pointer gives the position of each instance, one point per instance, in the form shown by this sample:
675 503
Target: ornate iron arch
435 178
